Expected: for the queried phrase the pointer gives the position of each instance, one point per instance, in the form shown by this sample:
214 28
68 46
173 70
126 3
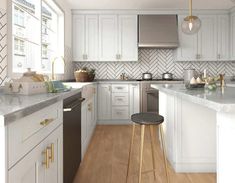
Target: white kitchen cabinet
207 38
104 101
190 138
187 44
85 38
232 36
31 168
117 102
223 37
127 36
108 37
89 112
211 43
134 95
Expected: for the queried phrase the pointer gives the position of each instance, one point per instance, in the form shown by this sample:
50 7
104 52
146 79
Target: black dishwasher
72 136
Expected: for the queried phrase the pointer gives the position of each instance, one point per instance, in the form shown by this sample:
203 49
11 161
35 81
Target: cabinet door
79 38
104 102
232 22
187 50
207 38
55 171
223 37
108 37
31 169
92 51
134 98
127 36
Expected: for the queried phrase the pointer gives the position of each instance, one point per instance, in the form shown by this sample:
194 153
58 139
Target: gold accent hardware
46 122
46 161
90 107
53 66
52 149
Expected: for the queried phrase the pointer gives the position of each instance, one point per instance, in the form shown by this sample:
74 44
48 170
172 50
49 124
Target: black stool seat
147 118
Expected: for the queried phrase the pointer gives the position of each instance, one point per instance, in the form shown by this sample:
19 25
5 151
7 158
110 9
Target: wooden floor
107 156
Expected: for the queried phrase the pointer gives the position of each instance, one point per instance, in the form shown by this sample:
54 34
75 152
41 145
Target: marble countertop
221 100
13 107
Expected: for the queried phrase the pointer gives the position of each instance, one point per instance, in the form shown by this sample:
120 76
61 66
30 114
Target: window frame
12 71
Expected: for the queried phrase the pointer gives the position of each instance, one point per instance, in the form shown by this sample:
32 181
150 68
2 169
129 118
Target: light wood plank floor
107 156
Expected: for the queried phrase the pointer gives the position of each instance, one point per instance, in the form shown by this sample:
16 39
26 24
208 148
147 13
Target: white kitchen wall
3 42
156 61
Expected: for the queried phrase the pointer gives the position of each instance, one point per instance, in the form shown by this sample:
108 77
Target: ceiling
150 4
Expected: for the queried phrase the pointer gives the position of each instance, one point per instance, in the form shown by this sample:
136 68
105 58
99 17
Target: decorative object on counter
167 76
147 76
191 24
56 87
211 83
30 83
195 83
189 74
123 77
222 80
84 75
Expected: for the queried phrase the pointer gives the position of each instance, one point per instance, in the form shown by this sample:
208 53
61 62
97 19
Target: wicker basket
81 76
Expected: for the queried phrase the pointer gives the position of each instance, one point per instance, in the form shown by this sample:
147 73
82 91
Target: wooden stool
147 119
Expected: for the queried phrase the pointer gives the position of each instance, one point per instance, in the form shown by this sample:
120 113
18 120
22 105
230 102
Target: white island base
190 132
200 129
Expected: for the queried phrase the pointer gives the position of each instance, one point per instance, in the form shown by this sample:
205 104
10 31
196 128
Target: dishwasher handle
69 108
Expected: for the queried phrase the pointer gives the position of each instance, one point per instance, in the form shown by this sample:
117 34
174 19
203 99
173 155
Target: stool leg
141 151
130 151
152 147
164 152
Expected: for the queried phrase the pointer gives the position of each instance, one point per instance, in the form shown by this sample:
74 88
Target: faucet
222 81
53 66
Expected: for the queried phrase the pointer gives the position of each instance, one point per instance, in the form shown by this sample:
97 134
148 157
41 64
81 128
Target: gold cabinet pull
46 158
52 154
46 122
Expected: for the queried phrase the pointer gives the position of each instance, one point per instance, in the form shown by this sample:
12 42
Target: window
37 36
52 35
19 47
19 17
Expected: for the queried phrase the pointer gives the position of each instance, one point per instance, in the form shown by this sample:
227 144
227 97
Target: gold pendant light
191 24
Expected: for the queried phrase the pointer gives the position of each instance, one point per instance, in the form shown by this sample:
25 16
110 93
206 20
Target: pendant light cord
190 7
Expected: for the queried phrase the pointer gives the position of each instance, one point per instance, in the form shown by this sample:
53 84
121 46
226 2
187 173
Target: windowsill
22 55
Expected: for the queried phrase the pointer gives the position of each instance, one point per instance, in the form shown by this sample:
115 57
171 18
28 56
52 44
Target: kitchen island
199 129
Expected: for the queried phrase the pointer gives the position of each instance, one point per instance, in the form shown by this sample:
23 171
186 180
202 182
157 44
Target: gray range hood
158 31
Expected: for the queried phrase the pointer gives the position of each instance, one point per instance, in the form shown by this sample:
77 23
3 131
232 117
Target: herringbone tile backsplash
3 46
156 61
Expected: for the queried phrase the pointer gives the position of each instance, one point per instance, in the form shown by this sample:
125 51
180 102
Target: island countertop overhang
220 100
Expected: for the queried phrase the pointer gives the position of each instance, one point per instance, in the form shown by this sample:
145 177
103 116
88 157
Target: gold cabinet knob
46 122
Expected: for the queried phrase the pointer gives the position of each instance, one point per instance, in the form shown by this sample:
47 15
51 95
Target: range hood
158 31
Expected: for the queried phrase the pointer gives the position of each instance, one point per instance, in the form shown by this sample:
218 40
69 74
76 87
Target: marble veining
221 100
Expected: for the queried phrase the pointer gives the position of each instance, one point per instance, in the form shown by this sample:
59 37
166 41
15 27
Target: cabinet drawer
120 88
25 133
120 99
120 113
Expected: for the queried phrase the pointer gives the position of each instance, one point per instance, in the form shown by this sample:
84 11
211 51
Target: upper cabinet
85 37
108 37
232 31
105 38
211 43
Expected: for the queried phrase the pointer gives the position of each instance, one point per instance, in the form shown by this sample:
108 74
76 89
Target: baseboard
195 167
114 122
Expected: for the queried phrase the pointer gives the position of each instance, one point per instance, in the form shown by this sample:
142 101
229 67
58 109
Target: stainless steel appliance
159 31
147 76
167 76
72 136
149 97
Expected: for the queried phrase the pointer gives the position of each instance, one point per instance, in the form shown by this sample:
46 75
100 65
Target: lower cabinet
117 102
44 164
89 116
